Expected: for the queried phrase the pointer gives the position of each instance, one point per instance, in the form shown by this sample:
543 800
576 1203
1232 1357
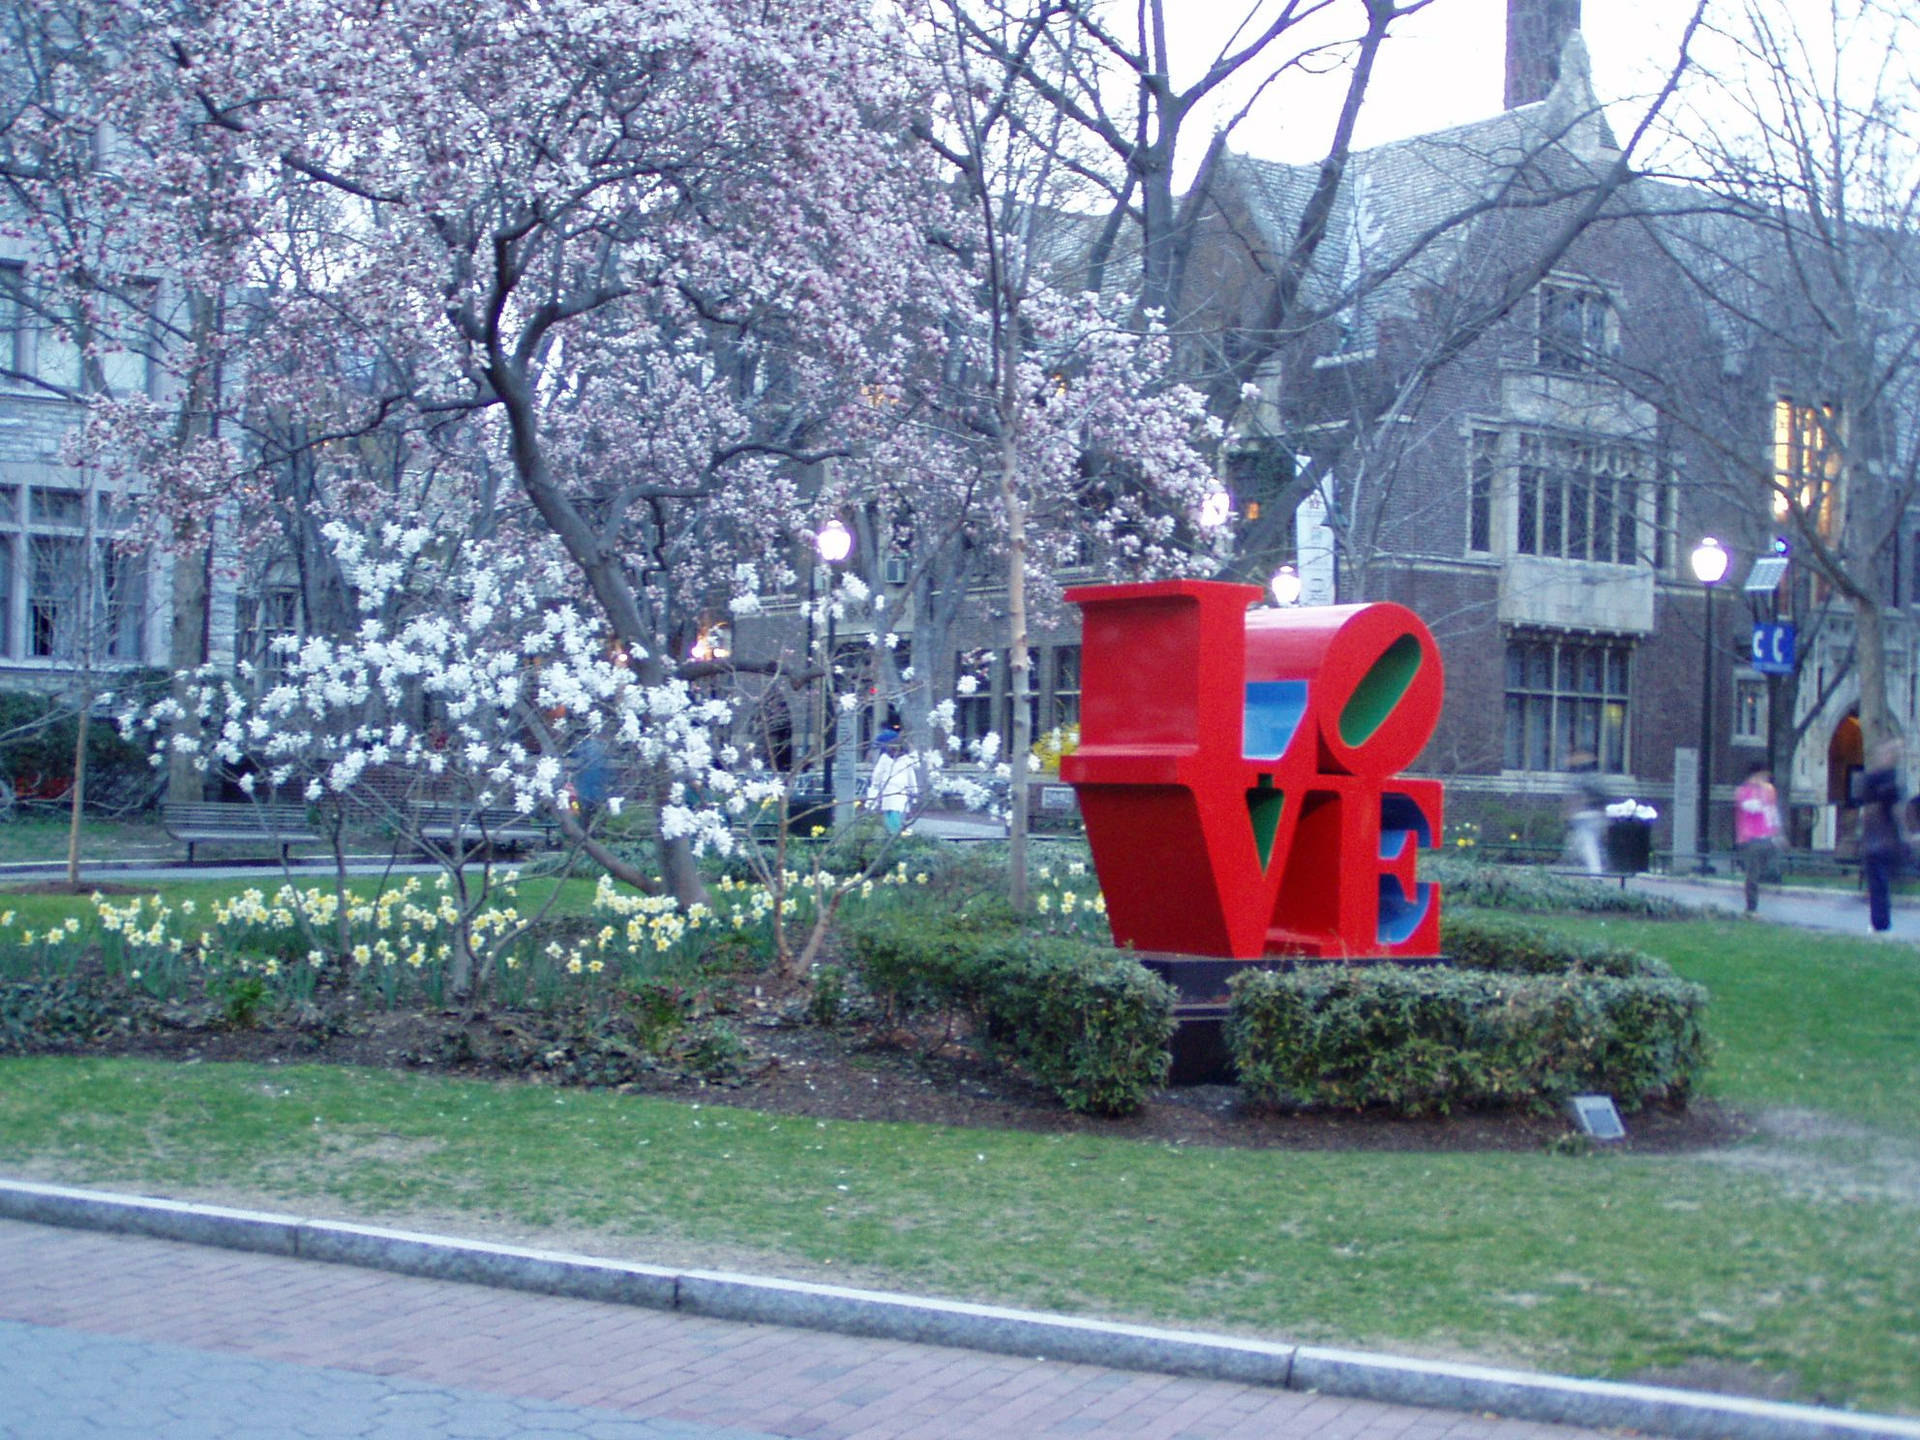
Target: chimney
1537 31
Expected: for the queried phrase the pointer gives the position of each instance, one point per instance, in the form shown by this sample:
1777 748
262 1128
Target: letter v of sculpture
1237 773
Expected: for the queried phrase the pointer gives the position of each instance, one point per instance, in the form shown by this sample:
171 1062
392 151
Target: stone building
71 600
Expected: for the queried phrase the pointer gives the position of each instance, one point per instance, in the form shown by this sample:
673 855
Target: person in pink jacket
1756 828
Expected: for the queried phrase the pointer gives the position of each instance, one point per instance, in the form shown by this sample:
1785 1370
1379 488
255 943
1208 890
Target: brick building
1533 487
1531 484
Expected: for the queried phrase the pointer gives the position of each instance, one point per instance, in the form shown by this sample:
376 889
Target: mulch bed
856 1072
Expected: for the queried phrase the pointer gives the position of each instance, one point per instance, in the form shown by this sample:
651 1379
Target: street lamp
1285 586
834 542
1709 568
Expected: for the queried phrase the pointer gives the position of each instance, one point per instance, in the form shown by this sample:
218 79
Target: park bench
495 830
236 822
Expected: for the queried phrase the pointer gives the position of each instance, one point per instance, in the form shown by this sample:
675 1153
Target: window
1806 464
1663 522
1565 697
120 602
126 340
53 597
1580 500
40 329
1063 704
972 694
983 693
67 595
1258 472
64 508
1482 465
263 619
1577 330
16 342
1749 710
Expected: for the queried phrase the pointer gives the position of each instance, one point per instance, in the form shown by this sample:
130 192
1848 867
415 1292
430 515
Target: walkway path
118 1337
1811 908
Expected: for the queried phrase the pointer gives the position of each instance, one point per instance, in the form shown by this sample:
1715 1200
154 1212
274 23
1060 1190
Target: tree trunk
79 785
1019 664
187 651
1870 658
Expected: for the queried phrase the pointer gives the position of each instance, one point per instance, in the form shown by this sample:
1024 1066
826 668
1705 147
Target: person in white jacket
894 786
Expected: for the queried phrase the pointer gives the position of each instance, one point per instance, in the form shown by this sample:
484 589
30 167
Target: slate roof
1396 200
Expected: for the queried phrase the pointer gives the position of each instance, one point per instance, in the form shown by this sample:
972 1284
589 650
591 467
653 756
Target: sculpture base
1200 983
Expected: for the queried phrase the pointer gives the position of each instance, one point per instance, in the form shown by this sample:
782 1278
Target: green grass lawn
39 909
42 836
1794 1255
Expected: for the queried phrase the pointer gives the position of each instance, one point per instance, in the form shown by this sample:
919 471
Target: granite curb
1351 1374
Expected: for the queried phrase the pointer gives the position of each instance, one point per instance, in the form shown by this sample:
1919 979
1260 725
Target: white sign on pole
1313 544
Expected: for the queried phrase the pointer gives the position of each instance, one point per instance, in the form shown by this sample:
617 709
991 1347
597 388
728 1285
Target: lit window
1806 464
1749 710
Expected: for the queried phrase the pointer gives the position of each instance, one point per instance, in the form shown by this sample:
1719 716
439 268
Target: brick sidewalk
611 1362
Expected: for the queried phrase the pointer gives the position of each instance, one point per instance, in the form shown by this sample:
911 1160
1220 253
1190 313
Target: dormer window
1576 330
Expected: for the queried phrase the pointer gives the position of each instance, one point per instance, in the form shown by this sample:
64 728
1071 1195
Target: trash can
1629 846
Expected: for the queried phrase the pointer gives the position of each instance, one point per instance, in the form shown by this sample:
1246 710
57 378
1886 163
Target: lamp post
834 542
1285 586
1709 568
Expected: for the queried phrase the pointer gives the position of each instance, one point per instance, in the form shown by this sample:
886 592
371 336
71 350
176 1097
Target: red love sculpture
1238 772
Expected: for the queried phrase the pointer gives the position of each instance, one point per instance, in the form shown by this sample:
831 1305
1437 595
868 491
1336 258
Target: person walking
1587 818
1882 847
1756 829
894 785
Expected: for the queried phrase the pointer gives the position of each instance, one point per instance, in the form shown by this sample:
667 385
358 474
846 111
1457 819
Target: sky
1441 67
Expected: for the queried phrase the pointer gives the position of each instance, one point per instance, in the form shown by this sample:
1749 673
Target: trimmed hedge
1508 1032
1090 1024
1483 942
1495 886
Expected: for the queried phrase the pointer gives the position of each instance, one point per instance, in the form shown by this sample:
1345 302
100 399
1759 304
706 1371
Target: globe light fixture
1710 561
1285 586
1215 509
834 541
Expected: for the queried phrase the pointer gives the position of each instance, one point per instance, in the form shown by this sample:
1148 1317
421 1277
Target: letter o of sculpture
1375 676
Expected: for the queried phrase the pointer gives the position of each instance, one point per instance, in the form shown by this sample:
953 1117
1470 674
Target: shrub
1524 887
1090 1024
1487 942
70 1009
39 755
1429 1039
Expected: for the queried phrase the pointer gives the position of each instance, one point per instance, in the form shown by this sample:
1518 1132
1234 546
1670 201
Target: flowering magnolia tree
597 288
619 267
471 685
